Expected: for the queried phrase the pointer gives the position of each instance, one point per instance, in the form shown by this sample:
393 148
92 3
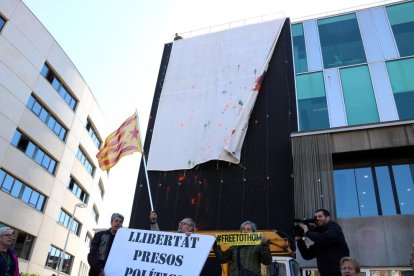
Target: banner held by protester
141 252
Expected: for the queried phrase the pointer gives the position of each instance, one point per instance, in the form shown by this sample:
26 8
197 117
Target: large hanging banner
141 252
209 91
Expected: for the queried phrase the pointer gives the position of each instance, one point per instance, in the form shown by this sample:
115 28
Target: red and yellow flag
123 141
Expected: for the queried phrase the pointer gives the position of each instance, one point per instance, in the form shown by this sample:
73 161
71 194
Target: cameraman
329 244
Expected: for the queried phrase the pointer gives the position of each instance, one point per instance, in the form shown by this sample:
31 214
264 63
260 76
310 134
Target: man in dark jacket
329 244
101 245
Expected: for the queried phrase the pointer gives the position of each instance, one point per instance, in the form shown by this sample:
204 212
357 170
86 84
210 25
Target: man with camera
329 243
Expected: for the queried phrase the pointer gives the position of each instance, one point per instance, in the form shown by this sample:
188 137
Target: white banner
209 91
138 252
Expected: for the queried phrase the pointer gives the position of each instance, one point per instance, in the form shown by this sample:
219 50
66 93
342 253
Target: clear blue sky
117 47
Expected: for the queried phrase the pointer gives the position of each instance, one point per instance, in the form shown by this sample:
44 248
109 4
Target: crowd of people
328 246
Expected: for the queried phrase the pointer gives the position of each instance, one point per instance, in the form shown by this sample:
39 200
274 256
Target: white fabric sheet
209 91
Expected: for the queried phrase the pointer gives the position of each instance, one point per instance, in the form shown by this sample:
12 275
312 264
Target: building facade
51 191
353 152
332 128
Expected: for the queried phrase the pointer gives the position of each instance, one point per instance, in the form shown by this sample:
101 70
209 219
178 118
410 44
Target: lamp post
80 205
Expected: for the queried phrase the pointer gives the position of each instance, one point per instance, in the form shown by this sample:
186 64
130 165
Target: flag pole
145 162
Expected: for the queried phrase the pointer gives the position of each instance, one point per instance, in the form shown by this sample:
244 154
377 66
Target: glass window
101 189
33 151
402 83
404 182
377 189
77 190
359 98
18 189
33 199
54 257
44 114
16 138
7 184
346 193
30 102
23 243
2 176
366 193
57 84
312 106
51 123
45 70
30 150
341 42
2 22
26 194
299 48
401 18
65 220
85 161
93 133
385 190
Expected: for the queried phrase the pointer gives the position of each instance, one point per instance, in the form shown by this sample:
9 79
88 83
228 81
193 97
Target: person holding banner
245 259
101 245
186 225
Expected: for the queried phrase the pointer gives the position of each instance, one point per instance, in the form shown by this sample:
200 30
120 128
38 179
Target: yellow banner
238 238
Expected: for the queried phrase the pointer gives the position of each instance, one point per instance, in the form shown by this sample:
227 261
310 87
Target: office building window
46 117
341 42
95 214
14 187
88 239
374 189
312 106
54 257
2 22
360 104
401 17
86 162
94 134
299 49
77 190
22 244
402 83
101 189
23 143
65 221
58 85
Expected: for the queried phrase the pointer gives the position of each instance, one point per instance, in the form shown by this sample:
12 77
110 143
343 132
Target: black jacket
100 246
328 248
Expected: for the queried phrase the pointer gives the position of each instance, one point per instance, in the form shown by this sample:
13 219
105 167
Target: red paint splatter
181 178
258 84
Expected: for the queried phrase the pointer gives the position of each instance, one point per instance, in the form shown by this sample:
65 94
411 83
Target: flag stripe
123 141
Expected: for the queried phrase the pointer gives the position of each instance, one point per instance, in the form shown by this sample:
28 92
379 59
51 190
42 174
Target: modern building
51 191
333 128
353 152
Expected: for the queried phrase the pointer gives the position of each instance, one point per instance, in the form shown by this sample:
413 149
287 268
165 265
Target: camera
310 222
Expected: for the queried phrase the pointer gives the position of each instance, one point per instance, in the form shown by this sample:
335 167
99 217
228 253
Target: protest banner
237 238
137 252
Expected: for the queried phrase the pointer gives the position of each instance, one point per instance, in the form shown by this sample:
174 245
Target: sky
117 47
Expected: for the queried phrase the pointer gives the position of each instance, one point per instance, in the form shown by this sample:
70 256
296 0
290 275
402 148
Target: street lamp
80 205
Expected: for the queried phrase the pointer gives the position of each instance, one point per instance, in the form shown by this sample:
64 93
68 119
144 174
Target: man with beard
329 244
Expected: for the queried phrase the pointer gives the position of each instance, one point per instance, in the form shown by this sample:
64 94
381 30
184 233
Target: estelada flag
123 141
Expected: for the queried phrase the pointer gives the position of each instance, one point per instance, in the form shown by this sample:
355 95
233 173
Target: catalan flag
123 141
